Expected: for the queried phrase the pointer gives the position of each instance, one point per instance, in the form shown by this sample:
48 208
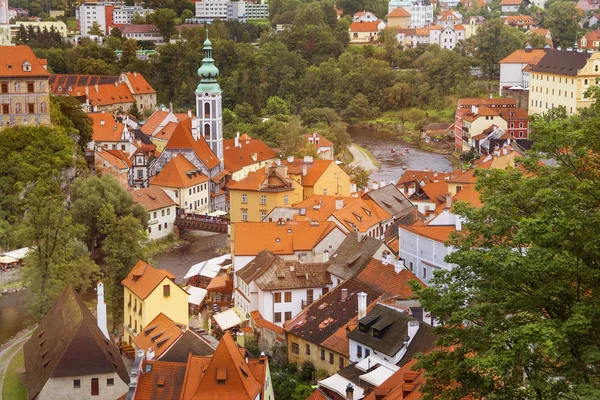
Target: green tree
57 257
116 33
276 105
66 112
93 66
95 29
494 41
121 249
164 19
134 110
358 175
89 197
358 108
518 313
187 14
246 38
130 48
563 18
138 19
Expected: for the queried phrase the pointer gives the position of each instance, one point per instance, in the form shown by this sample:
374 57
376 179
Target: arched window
207 109
207 131
520 124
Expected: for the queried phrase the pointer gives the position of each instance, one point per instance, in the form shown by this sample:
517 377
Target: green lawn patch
72 22
14 388
11 285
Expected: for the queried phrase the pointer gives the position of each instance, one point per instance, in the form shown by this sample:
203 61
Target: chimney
399 266
325 256
236 140
381 183
304 170
189 113
413 327
171 106
101 310
458 223
474 109
101 122
150 354
290 159
448 201
308 159
362 305
384 258
134 372
344 294
375 185
339 204
349 392
490 95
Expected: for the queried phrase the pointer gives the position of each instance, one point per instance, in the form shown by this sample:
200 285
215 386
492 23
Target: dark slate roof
392 200
188 343
257 266
422 343
561 62
293 275
138 134
68 342
352 373
352 256
329 313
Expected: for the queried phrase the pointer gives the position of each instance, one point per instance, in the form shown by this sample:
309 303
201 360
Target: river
391 164
13 318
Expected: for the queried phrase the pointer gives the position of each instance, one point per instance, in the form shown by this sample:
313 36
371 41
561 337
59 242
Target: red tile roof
398 13
314 170
161 380
519 20
139 84
384 278
116 158
523 57
179 172
182 139
202 381
439 233
105 128
13 58
154 121
251 238
144 278
99 90
365 26
152 198
248 153
159 335
323 142
260 322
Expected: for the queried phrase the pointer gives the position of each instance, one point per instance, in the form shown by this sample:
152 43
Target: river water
13 318
391 164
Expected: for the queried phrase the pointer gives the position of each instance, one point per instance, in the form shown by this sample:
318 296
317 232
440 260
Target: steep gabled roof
182 139
158 335
236 158
392 200
398 13
67 343
160 380
178 173
105 128
13 58
353 255
227 365
116 158
152 198
365 26
188 343
144 278
385 278
139 84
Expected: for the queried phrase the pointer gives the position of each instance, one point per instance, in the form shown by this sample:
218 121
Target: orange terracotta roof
459 27
339 341
279 238
99 90
166 132
418 176
250 152
317 395
511 2
365 26
272 181
361 215
221 284
260 322
152 198
496 101
226 365
539 31
178 173
245 136
469 175
154 121
435 192
518 20
422 31
447 15
314 170
182 139
522 57
398 13
144 278
320 207
323 142
163 380
105 128
116 158
439 233
469 195
404 384
394 245
158 335
384 278
182 116
13 58
514 114
139 84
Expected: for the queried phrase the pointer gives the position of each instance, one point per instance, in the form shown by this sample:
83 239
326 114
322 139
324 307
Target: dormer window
26 66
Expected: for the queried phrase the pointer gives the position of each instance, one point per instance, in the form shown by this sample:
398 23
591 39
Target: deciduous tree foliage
494 41
563 18
519 313
66 112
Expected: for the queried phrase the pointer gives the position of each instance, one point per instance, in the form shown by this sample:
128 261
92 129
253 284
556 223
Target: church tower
209 111
5 38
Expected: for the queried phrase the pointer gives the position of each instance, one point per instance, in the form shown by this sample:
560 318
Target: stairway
127 350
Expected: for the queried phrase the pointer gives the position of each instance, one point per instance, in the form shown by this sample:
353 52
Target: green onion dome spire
208 72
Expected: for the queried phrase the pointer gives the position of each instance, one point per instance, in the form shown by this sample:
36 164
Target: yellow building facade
322 177
562 80
147 293
322 358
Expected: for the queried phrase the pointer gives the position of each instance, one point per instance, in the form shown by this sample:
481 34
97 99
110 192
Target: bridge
202 224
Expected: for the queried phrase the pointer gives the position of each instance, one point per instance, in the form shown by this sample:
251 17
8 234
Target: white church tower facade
5 37
208 122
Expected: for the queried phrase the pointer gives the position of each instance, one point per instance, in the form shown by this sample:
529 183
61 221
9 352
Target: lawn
14 388
72 22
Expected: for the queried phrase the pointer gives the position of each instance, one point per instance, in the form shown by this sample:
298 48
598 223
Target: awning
221 284
338 384
227 319
7 260
209 268
19 254
217 213
377 376
196 295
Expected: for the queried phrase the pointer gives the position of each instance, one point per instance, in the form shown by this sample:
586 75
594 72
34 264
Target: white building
279 289
213 9
91 12
446 37
423 247
124 15
208 11
421 11
148 33
512 67
364 16
257 11
161 208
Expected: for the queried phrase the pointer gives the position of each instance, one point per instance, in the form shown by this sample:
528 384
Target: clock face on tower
206 94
